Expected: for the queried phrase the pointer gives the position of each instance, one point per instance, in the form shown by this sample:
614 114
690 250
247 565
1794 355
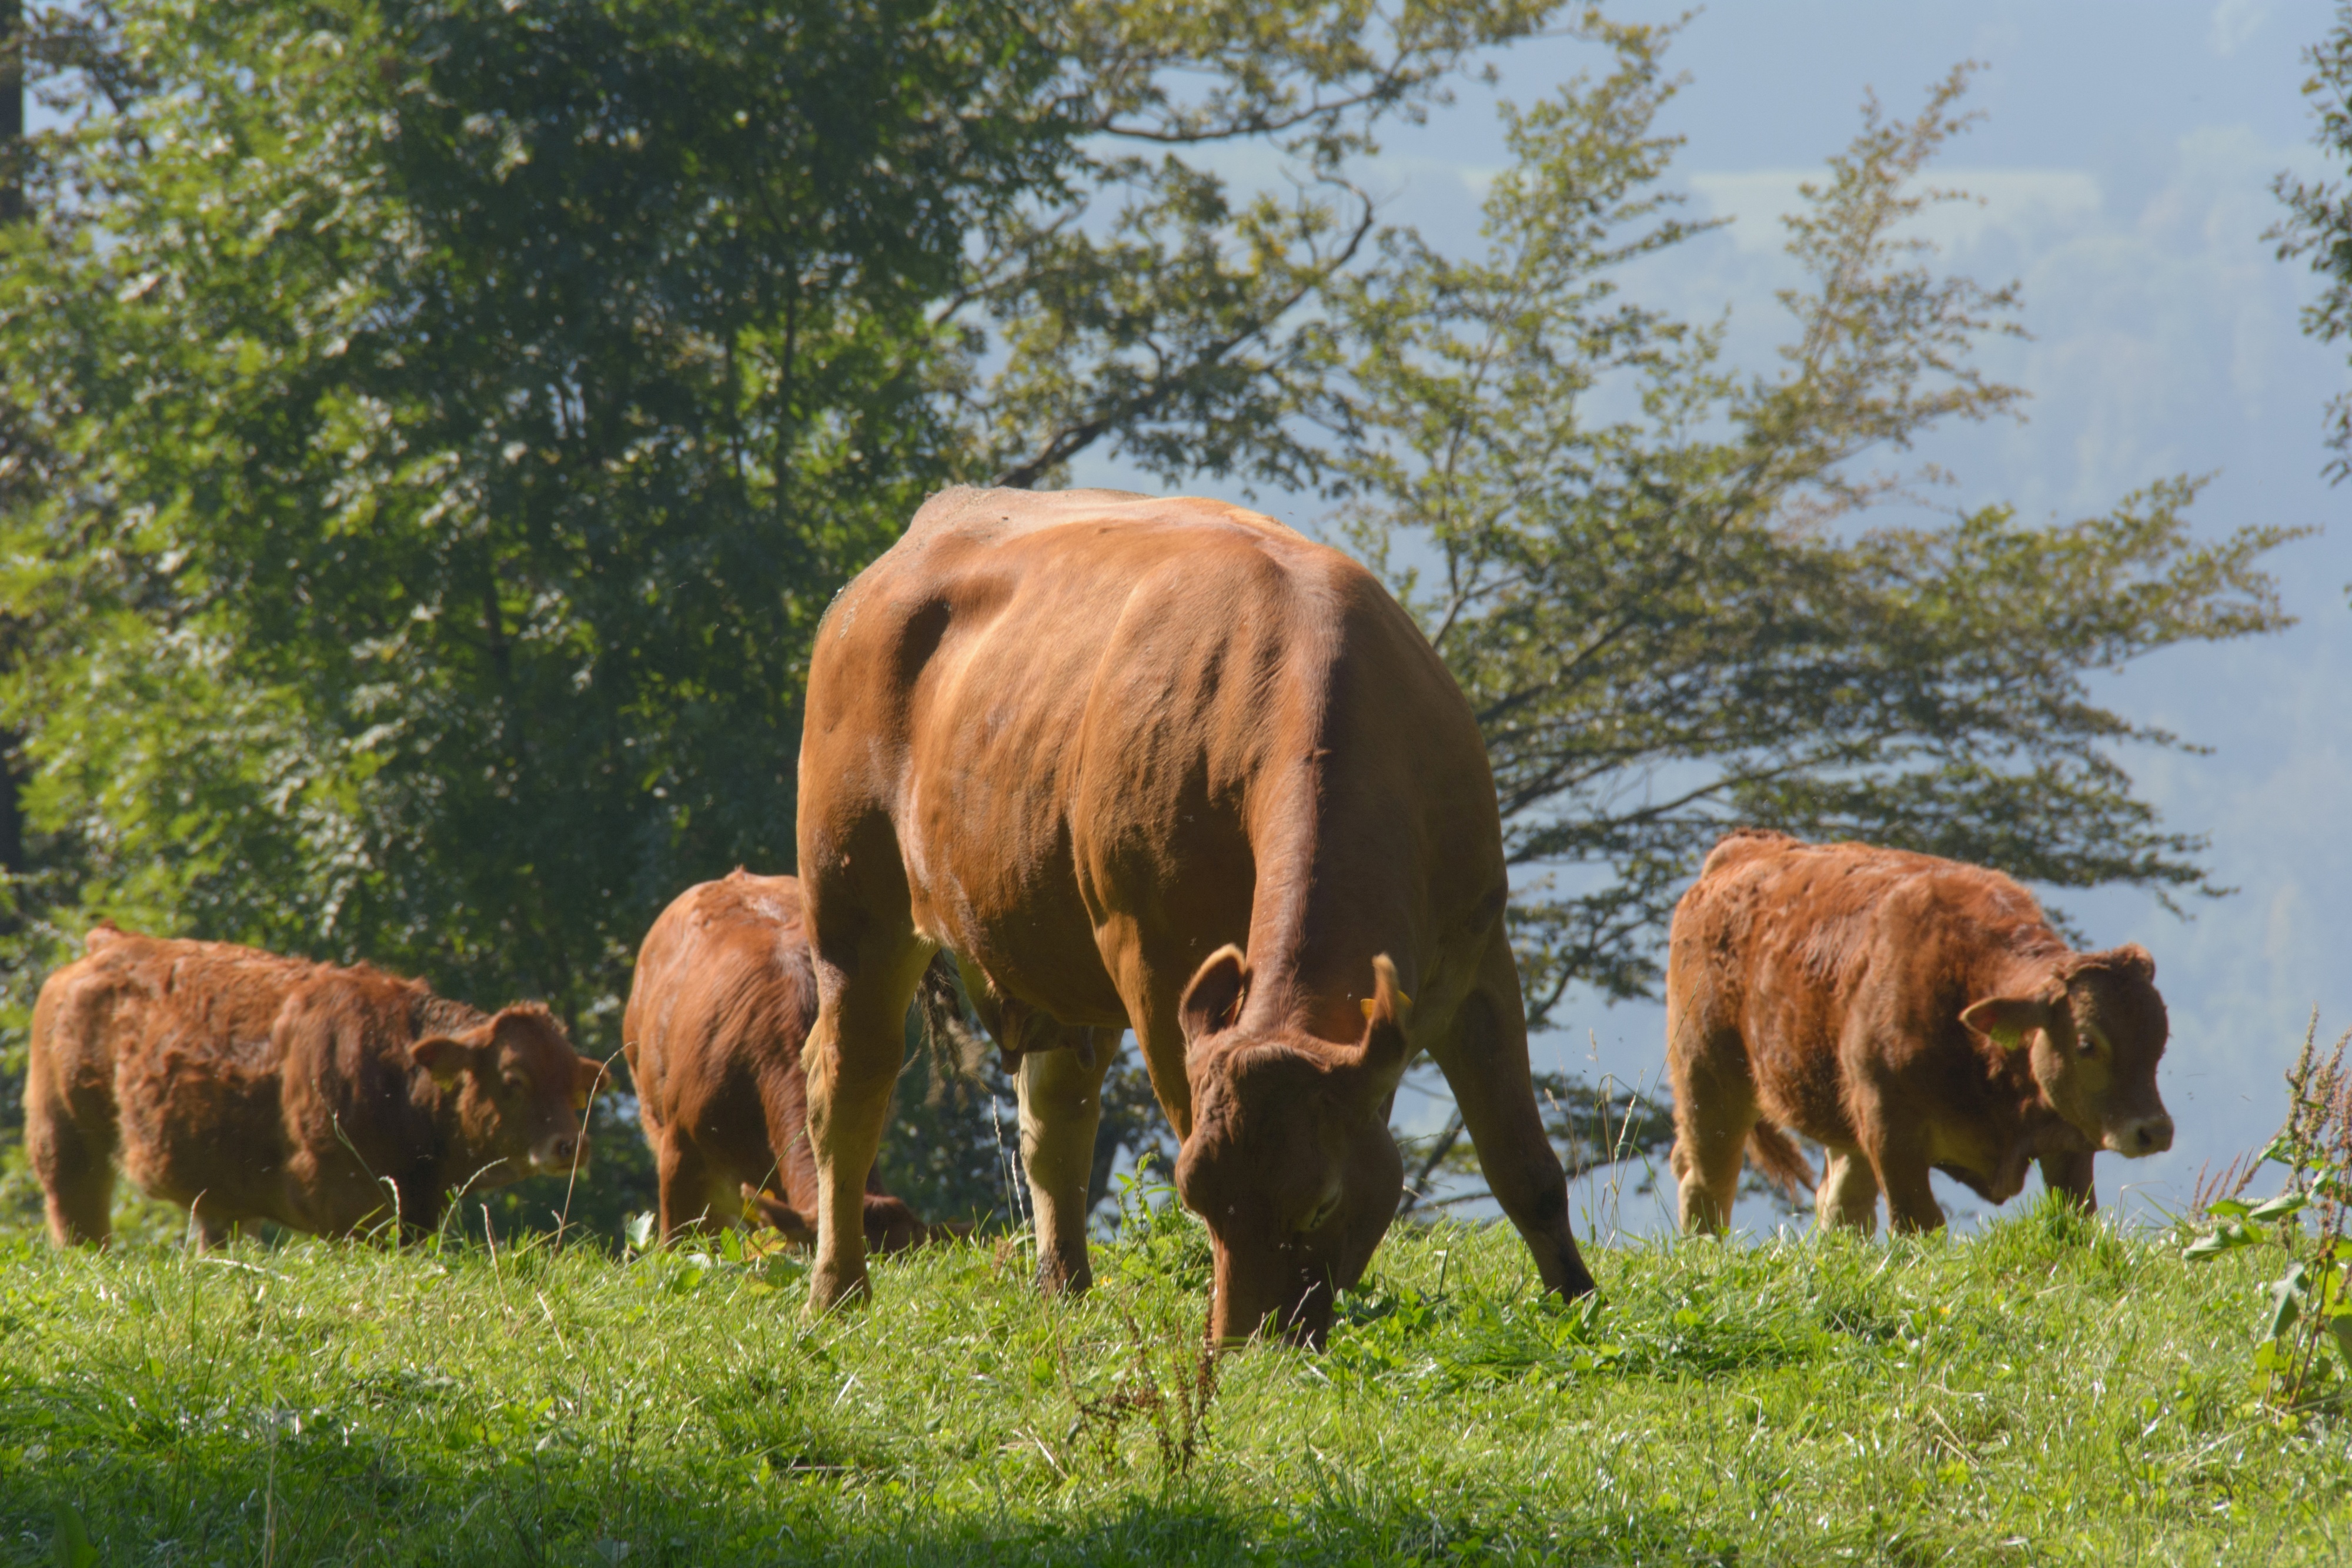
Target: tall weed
2307 1309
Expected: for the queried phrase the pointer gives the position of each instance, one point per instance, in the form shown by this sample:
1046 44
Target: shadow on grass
189 1495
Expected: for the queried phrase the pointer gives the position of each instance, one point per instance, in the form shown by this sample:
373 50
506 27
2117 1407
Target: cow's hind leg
852 1062
692 1195
1715 1108
1061 1106
1848 1194
1485 1060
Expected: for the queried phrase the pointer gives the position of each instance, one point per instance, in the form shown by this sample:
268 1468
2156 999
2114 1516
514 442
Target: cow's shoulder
361 1011
964 535
1742 845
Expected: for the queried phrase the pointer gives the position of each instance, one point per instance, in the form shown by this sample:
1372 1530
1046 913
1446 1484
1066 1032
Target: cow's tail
956 1044
1777 1155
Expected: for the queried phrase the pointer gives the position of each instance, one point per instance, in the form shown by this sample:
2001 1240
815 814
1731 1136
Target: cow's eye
516 1081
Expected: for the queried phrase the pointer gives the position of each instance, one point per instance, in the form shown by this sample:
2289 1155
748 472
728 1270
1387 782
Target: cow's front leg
2070 1173
1485 1060
1848 1194
1061 1106
851 1062
1902 1167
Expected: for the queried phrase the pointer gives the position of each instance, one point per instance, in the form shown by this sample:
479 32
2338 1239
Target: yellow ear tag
1366 1004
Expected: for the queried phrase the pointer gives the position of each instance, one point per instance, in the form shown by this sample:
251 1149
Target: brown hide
719 1007
1165 765
248 1086
1907 1013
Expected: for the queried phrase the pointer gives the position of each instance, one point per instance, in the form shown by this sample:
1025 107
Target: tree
2319 217
1677 599
468 421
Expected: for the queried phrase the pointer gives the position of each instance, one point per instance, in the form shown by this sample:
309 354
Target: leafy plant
1158 1238
2307 1309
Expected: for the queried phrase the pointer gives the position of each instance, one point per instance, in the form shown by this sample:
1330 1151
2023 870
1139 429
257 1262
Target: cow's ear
1212 1001
443 1057
1385 1049
588 1076
2008 1020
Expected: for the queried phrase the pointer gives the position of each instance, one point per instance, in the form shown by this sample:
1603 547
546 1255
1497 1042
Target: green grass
2047 1392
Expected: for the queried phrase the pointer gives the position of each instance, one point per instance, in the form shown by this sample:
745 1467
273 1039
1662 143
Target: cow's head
1290 1162
515 1092
2096 1030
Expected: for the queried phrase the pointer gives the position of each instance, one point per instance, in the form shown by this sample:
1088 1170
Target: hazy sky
2125 159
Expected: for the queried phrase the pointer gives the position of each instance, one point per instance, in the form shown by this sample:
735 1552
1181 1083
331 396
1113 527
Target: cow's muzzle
1301 1316
2148 1135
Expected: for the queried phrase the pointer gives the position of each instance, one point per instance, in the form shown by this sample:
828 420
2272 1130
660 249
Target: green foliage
1166 317
2318 224
2001 1399
1159 1237
1680 597
465 413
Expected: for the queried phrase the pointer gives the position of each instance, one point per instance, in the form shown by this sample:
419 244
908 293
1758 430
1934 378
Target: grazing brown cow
246 1086
1163 764
719 1010
1909 1014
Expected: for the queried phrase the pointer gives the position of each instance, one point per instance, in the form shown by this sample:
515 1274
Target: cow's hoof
1053 1280
830 1291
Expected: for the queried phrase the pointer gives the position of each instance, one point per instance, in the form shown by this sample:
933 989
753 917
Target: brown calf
246 1086
1909 1013
719 1010
1165 765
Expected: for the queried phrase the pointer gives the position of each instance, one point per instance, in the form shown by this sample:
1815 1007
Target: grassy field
2046 1391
